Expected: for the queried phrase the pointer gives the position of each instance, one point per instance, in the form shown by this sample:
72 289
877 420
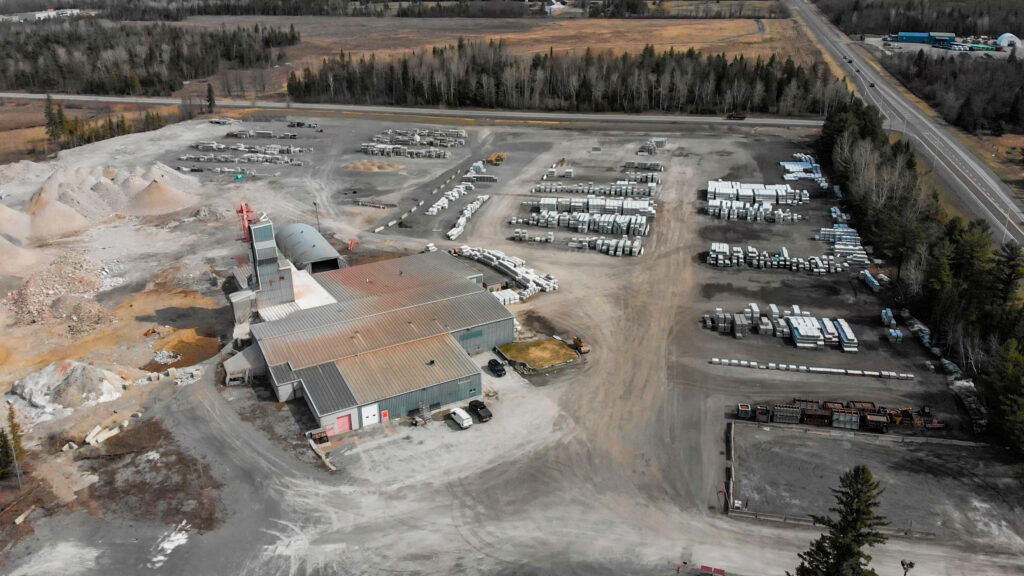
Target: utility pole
317 208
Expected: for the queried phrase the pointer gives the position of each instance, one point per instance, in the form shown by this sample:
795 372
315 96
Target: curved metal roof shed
1008 40
307 249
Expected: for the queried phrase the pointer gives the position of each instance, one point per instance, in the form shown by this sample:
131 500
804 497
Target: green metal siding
447 393
485 337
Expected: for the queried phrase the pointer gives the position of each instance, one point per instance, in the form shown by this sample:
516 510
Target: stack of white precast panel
613 247
644 165
753 192
513 267
804 168
847 339
506 297
625 188
806 332
466 215
595 205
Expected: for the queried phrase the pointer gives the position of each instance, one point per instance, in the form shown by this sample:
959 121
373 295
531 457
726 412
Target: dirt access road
612 468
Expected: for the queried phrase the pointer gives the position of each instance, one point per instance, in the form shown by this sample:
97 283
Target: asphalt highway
981 190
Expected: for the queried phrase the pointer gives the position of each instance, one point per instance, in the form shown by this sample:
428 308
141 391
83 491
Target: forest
950 272
94 57
464 9
488 75
695 10
971 93
962 17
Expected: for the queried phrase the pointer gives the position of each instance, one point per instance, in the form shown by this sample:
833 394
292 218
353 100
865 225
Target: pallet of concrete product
741 326
806 332
847 339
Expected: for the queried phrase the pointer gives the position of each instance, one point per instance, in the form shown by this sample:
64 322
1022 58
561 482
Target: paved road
604 119
964 173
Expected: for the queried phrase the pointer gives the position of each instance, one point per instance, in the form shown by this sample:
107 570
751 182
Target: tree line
964 18
488 75
464 9
67 131
690 10
972 93
951 272
94 57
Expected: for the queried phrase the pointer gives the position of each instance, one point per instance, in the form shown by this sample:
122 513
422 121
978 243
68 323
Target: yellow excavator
580 344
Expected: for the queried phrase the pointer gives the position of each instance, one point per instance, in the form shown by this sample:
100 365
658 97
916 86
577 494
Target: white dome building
1008 41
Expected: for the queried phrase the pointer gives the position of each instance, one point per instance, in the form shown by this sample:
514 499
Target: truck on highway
735 116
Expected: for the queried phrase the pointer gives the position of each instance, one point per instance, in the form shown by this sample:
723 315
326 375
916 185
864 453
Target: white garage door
370 415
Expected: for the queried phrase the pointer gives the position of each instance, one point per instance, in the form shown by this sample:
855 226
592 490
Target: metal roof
325 389
303 245
315 336
282 374
395 275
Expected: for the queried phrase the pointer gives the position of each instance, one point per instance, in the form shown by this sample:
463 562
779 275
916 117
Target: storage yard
373 305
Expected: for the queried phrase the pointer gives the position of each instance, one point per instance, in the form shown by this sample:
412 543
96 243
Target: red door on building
344 424
384 416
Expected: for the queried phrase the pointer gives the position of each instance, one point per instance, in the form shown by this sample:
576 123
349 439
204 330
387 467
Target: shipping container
845 418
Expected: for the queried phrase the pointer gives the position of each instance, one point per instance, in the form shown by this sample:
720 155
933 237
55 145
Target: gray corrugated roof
394 275
326 389
312 343
303 245
369 378
282 374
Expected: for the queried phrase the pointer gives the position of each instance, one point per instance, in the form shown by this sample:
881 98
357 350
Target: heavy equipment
497 158
580 344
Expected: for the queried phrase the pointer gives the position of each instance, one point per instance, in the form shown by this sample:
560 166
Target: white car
461 418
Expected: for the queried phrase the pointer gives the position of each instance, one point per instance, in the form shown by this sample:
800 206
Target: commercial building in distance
393 338
933 38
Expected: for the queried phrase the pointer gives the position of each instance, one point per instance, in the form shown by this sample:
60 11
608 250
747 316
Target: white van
461 418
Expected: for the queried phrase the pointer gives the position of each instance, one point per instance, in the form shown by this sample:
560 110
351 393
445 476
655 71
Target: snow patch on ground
170 540
60 559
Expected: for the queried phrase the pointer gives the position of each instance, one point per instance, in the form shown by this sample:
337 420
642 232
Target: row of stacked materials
594 205
583 222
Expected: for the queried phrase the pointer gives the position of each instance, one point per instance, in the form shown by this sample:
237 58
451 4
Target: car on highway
872 85
496 367
461 417
483 413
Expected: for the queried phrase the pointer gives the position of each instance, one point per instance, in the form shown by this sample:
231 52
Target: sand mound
110 172
372 166
52 218
55 391
132 185
14 224
15 260
111 194
159 198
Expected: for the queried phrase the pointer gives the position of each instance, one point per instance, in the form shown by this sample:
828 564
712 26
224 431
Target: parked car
496 367
483 413
461 417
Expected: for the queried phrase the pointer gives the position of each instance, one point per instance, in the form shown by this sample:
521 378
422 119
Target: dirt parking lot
953 492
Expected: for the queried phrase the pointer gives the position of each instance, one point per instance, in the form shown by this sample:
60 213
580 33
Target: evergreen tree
211 100
53 132
1008 271
15 435
5 454
840 551
967 117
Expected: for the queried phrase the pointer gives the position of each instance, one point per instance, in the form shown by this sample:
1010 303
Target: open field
611 467
326 36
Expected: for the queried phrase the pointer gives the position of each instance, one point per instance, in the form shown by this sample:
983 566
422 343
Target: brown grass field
326 36
539 354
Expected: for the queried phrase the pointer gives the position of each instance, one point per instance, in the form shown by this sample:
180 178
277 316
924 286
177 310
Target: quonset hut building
393 339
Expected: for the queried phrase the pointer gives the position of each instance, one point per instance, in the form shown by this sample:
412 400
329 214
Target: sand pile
15 260
132 185
159 198
55 391
52 218
14 224
372 166
109 173
82 313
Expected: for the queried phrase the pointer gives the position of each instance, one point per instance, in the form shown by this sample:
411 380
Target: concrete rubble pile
62 387
466 215
529 280
62 291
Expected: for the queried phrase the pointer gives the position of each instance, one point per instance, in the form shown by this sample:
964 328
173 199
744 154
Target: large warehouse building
394 339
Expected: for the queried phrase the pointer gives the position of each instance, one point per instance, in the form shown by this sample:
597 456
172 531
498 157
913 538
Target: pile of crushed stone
57 390
70 274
